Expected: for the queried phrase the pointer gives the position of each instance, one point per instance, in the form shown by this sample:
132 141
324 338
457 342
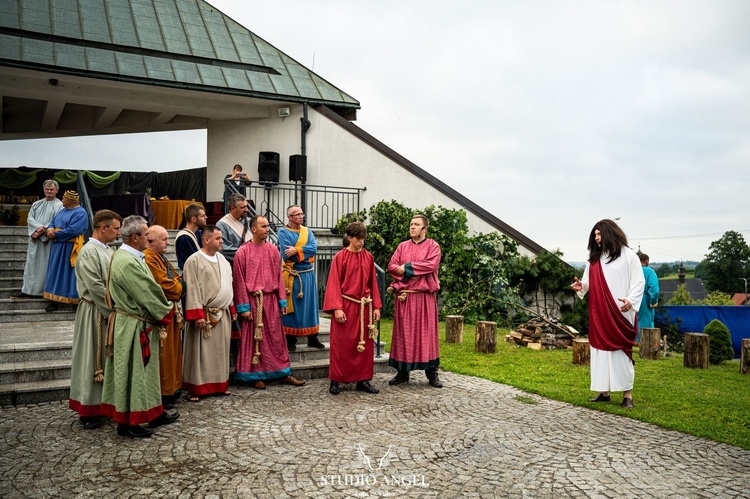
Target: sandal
193 398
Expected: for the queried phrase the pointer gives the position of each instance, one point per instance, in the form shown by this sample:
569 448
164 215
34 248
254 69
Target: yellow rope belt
373 330
258 335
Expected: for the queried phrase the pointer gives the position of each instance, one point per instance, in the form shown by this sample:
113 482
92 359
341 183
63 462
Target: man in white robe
614 280
37 254
209 312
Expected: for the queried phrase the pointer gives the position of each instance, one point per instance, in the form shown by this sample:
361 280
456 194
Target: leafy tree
545 279
681 296
728 260
716 298
663 270
719 342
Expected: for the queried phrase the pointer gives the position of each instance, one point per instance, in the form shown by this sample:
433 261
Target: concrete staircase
35 346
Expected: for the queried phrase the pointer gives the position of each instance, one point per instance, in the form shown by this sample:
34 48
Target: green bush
719 342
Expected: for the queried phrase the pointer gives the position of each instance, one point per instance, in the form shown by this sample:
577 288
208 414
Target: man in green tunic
90 329
132 393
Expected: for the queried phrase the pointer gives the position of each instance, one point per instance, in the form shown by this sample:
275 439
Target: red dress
353 275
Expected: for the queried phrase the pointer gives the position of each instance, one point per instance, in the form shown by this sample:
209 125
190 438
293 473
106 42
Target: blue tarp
694 318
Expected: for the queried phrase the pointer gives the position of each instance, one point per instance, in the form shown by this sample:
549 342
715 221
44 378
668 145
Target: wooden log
581 351
454 329
486 337
745 356
536 346
696 351
650 343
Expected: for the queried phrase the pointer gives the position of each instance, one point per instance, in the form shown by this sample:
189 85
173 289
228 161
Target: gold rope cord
111 324
372 329
402 293
258 336
211 321
98 372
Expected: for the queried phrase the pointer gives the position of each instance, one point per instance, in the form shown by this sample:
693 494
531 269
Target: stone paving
473 438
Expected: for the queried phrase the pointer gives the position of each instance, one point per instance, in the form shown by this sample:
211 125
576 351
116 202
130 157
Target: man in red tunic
353 300
414 268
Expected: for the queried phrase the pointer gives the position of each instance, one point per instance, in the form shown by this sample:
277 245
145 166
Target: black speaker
268 167
297 168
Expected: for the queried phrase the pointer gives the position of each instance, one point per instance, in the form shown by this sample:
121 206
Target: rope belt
213 316
98 372
373 330
401 294
258 336
111 329
298 274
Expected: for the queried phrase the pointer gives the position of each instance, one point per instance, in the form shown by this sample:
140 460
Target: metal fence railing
323 205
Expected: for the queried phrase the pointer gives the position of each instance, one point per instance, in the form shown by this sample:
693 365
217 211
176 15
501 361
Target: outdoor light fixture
284 112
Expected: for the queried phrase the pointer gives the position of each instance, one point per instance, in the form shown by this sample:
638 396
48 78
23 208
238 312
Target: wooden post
649 343
696 351
486 337
581 351
454 328
745 356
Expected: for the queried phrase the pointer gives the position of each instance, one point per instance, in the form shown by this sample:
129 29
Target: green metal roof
181 43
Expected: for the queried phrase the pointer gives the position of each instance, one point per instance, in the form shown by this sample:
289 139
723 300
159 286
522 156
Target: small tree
681 296
716 298
719 342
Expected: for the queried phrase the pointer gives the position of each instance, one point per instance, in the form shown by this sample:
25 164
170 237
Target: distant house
694 286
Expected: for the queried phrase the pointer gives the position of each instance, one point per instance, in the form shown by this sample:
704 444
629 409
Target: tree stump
454 329
649 343
745 356
696 351
581 351
486 337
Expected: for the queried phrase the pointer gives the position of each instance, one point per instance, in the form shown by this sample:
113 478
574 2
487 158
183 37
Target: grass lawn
712 403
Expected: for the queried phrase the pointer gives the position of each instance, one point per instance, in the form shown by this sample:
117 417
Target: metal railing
323 205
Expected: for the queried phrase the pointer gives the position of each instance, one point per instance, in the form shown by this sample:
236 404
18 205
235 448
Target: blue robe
650 299
303 318
60 284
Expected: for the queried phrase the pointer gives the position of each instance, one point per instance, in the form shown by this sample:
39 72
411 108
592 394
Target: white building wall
335 157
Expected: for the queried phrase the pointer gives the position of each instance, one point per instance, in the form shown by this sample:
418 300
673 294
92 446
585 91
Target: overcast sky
551 115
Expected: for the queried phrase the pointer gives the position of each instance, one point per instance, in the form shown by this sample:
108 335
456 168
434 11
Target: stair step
37 315
18 304
19 353
34 392
315 369
39 370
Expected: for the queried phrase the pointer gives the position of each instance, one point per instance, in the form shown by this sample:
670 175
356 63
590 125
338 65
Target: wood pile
542 333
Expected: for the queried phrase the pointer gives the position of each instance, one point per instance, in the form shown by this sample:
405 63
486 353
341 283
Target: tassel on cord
99 372
258 335
362 302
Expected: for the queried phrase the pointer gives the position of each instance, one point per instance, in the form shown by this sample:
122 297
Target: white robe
613 371
37 255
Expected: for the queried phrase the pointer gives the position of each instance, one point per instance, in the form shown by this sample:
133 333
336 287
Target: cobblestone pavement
473 438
